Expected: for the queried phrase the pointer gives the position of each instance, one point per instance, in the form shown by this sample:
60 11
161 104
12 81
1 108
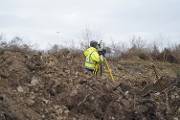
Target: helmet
94 44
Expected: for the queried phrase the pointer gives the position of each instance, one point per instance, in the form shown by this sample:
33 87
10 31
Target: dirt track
39 86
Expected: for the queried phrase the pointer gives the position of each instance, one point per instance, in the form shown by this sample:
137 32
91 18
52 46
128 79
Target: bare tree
118 48
1 37
137 42
3 43
54 49
16 41
177 48
87 36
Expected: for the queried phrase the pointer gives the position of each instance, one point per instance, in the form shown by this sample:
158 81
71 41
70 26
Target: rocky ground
40 86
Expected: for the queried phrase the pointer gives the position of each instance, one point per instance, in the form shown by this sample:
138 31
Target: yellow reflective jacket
92 58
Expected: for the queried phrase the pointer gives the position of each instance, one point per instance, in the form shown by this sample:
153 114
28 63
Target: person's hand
102 52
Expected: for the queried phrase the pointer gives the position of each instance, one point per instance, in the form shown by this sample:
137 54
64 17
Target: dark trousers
88 71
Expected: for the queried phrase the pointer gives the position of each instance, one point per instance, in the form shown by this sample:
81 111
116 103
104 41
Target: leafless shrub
3 43
54 49
16 44
137 49
155 51
118 49
137 43
1 37
168 55
176 53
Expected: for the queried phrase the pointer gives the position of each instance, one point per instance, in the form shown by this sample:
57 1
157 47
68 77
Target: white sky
38 21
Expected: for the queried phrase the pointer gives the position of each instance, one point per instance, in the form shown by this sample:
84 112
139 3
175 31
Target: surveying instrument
102 51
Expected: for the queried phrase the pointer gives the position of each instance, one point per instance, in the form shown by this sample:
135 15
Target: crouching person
93 59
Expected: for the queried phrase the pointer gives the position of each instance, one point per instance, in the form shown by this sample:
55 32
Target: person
93 58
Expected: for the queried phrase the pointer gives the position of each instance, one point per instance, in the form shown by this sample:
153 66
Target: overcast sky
46 22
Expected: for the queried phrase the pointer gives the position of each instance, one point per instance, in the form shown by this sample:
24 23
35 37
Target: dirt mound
52 86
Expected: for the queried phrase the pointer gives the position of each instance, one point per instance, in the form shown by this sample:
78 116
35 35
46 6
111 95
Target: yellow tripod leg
109 70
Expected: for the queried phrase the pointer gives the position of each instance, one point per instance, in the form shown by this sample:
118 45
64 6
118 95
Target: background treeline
137 49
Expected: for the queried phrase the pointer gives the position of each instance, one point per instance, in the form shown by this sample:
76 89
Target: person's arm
96 57
85 53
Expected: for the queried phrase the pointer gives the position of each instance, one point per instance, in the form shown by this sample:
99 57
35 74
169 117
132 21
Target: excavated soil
52 86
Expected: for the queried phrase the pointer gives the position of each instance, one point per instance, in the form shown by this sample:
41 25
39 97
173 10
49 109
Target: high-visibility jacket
93 59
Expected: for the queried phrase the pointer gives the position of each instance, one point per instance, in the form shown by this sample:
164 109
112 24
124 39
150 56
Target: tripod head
101 49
